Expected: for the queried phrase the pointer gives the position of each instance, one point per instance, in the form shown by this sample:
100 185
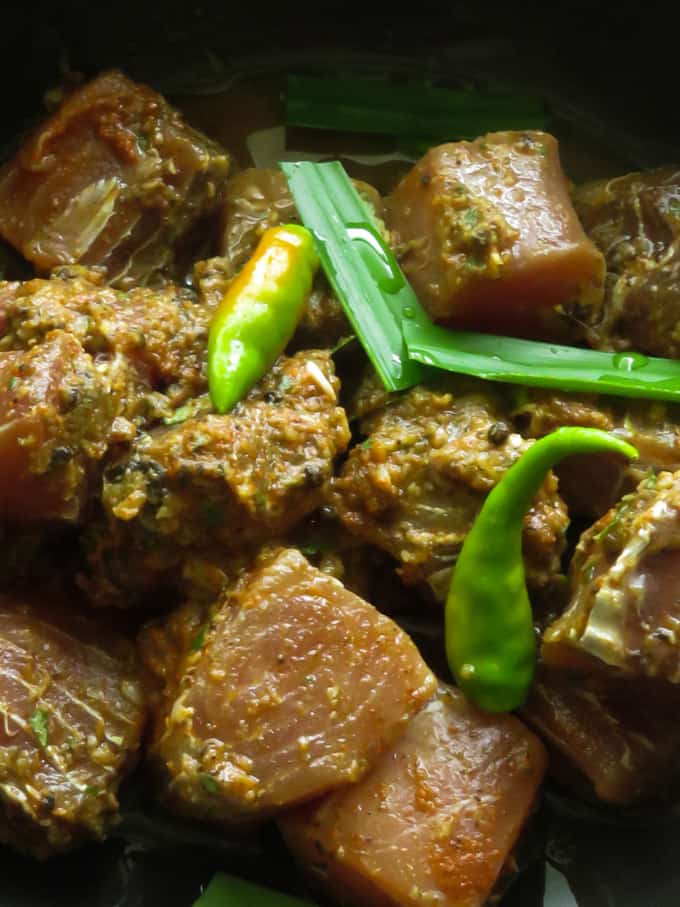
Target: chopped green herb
39 722
92 790
12 383
621 509
367 443
342 343
143 141
260 500
227 891
198 641
652 480
588 569
210 784
360 267
472 263
180 415
471 217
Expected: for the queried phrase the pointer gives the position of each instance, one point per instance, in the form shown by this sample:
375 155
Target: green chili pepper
227 891
490 640
259 312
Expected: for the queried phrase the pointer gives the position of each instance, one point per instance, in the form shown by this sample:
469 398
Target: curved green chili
259 312
490 640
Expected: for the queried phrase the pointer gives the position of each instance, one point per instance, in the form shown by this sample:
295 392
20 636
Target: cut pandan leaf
227 891
409 110
360 267
400 339
537 364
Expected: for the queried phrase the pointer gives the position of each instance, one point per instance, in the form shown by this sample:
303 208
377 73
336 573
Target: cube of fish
635 221
237 478
416 484
293 687
624 612
71 717
436 819
113 178
220 483
618 741
56 412
254 200
161 334
488 236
